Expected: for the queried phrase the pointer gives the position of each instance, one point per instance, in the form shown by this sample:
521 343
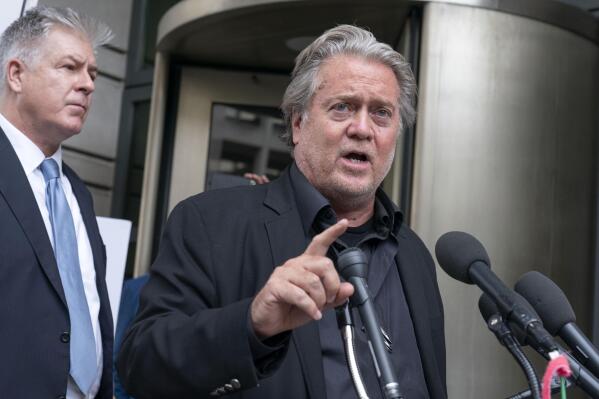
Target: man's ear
296 126
14 74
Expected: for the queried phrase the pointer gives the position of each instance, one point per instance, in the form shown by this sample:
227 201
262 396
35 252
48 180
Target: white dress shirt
31 157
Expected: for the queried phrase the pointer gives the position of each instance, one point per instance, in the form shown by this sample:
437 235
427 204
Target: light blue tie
82 342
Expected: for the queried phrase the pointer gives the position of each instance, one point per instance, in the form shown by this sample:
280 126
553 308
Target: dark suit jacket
34 357
219 248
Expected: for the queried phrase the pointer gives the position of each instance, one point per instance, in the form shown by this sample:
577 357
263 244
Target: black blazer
219 248
34 319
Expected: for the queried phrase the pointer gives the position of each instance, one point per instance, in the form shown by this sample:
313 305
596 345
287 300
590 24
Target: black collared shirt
377 238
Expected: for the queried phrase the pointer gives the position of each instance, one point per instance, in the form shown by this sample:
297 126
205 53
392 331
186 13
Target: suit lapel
410 267
286 240
15 188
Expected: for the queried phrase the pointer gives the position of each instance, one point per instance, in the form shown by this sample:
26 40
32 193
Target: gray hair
344 40
23 38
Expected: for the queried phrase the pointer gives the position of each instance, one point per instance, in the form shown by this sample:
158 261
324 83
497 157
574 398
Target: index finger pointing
321 242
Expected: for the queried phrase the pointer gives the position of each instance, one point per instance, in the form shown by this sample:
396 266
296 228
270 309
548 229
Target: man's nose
361 126
86 83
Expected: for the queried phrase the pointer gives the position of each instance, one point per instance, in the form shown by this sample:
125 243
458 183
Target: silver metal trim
178 21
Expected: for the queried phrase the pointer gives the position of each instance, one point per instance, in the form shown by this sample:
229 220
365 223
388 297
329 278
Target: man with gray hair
242 293
56 325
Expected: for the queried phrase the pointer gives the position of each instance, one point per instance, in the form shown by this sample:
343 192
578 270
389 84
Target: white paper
115 234
11 10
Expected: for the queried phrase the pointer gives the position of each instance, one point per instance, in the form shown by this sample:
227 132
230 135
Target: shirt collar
387 215
310 202
308 199
28 153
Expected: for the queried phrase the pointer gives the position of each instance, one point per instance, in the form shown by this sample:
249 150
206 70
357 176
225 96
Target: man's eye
383 113
70 67
341 107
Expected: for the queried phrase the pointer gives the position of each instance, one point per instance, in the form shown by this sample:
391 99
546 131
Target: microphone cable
346 327
504 334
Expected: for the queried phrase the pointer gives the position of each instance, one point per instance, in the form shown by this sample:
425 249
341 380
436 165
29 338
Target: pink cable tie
558 366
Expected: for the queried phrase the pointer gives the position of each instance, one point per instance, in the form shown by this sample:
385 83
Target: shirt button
65 337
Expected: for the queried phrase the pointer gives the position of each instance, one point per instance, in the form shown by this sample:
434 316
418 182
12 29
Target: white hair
23 38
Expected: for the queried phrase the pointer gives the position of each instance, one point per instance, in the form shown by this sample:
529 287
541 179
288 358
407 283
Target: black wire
526 365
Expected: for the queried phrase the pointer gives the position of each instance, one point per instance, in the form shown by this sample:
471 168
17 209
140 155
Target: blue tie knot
49 169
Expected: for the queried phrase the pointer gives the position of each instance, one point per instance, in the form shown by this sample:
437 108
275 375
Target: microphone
497 325
464 258
489 309
558 317
495 322
353 267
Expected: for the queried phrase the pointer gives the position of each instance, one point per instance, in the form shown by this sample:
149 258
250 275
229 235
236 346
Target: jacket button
229 388
61 397
65 337
235 383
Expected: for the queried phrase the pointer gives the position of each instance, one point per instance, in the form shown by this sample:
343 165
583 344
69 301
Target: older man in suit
56 330
240 298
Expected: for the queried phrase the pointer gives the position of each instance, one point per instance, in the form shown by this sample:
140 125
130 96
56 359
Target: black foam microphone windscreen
456 251
547 299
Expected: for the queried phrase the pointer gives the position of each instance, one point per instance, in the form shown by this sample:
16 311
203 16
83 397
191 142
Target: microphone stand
346 327
353 267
